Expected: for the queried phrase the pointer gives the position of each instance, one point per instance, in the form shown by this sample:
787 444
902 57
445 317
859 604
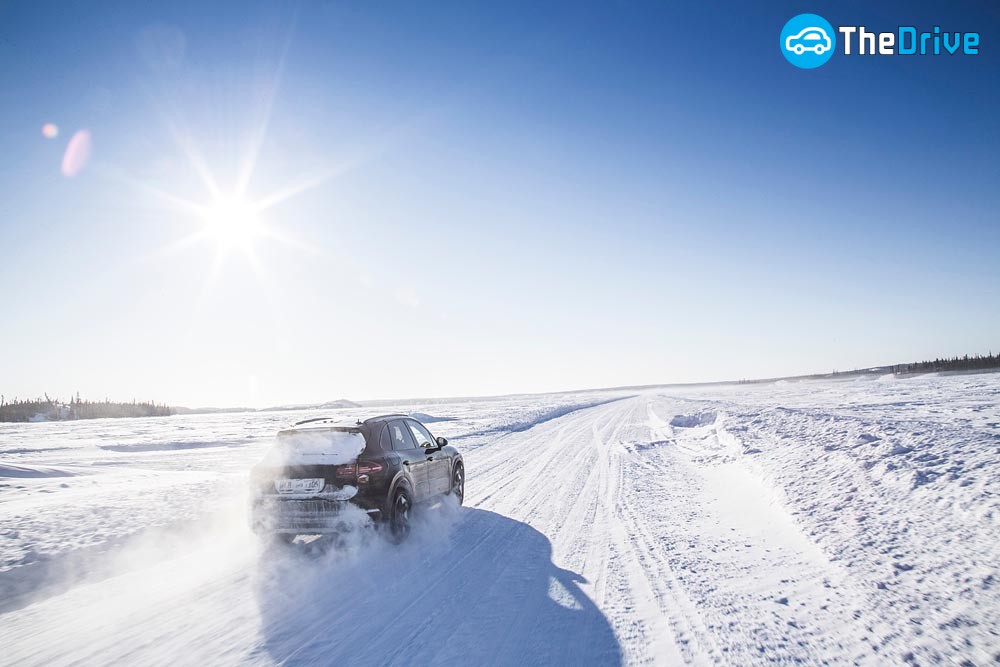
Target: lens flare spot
50 130
77 154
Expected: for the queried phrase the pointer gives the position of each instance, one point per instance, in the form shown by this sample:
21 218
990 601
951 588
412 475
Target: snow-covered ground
842 522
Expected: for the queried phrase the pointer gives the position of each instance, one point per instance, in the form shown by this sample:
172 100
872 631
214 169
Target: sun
233 221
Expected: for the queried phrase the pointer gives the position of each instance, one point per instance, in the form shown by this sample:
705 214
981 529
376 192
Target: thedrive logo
808 41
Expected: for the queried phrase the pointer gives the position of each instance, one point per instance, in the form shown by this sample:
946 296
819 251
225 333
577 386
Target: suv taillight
345 472
356 472
368 467
365 468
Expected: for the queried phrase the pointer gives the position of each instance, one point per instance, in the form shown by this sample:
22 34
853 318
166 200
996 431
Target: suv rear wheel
399 518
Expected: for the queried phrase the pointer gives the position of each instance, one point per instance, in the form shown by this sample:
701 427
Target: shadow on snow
469 587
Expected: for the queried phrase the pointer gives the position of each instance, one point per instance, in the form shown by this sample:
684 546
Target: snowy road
821 523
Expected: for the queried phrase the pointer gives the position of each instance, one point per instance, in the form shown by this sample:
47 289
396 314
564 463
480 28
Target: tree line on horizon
976 362
49 409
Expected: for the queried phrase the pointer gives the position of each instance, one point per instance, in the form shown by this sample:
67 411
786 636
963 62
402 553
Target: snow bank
895 481
529 416
34 471
429 419
166 446
694 421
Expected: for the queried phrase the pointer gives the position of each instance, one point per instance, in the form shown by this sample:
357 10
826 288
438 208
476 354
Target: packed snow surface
816 522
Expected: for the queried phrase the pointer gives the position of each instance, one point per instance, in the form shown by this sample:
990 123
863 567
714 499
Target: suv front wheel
458 482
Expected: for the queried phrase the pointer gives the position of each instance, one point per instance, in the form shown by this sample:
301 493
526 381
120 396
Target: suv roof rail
314 419
394 414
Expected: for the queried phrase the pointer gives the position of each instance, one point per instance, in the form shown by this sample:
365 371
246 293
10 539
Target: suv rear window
400 436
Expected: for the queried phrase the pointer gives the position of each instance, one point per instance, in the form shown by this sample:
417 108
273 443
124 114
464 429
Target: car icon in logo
809 39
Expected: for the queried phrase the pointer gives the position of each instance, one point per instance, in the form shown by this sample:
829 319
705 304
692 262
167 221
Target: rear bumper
312 517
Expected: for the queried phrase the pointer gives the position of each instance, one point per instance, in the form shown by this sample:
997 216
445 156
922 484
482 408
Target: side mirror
441 441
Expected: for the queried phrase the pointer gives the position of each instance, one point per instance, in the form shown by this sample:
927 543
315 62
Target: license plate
314 485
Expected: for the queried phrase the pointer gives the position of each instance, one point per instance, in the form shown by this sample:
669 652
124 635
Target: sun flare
233 219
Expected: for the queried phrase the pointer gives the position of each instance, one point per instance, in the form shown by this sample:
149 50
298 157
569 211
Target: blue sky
484 198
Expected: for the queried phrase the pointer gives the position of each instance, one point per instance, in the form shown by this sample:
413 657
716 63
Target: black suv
385 466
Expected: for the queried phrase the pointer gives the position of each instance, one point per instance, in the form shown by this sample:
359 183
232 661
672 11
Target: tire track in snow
571 496
664 638
647 563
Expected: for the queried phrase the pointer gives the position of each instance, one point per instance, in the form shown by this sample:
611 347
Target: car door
438 471
412 458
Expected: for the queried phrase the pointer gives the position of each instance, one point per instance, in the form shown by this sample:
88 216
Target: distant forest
49 409
976 362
